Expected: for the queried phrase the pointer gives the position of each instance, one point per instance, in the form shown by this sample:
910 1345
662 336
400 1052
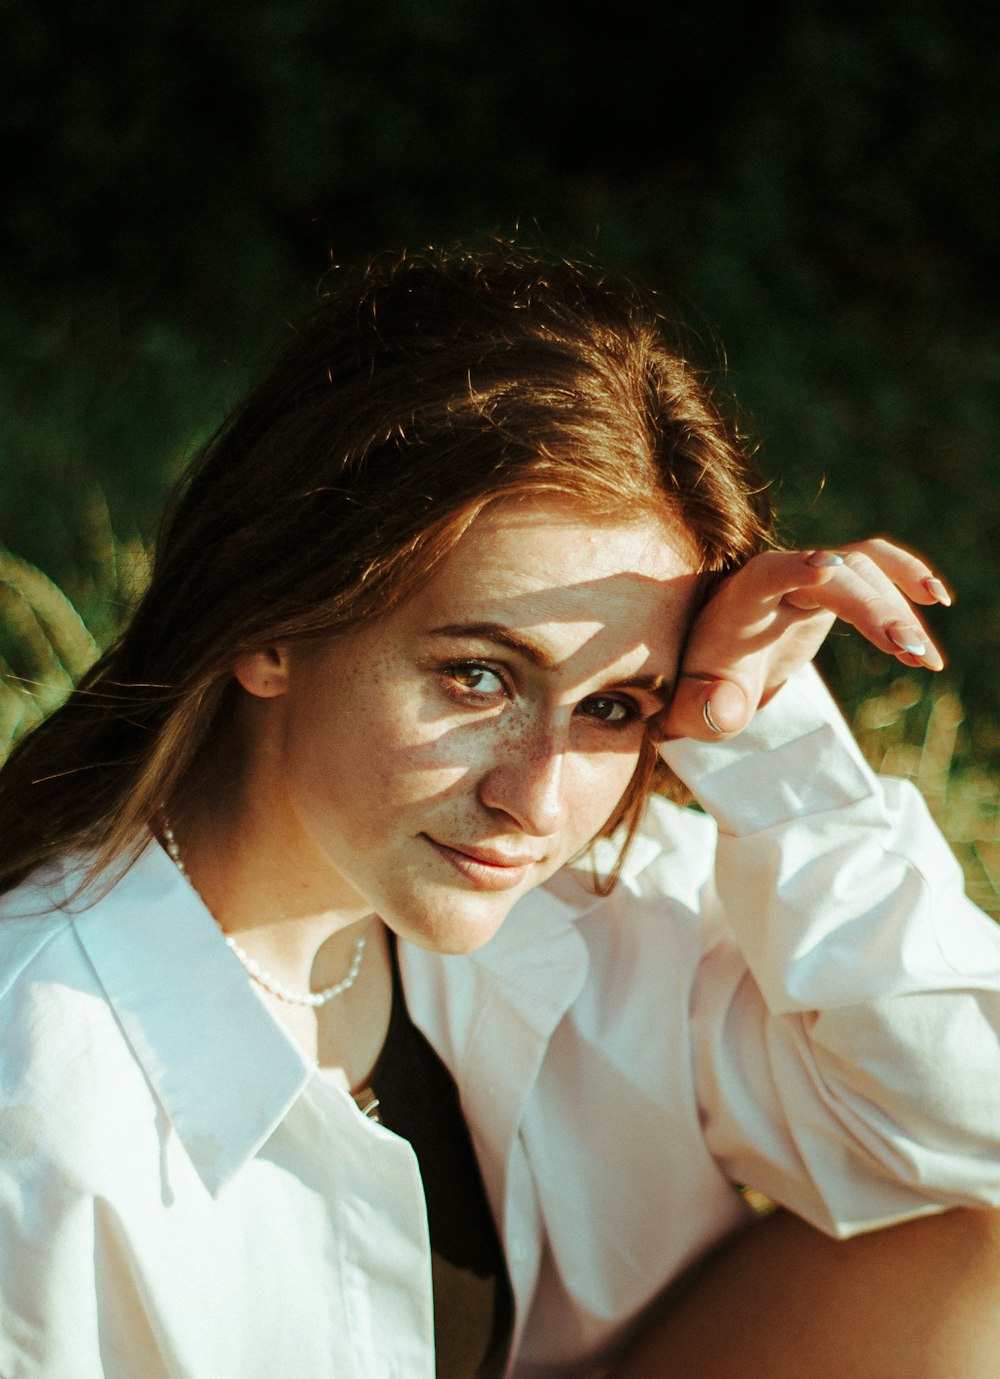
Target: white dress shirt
802 1000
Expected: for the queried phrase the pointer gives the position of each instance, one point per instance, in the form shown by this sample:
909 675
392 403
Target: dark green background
813 187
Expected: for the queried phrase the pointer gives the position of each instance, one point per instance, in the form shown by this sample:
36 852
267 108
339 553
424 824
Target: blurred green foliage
815 187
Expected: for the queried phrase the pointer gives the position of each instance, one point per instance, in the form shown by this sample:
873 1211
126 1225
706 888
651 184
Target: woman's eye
478 679
607 710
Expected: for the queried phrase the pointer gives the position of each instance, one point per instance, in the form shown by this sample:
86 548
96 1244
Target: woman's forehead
555 541
550 569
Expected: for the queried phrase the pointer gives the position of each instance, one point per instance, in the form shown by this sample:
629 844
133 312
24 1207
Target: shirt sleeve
846 1013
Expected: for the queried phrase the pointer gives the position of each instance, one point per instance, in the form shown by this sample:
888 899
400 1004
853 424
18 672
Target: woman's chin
448 927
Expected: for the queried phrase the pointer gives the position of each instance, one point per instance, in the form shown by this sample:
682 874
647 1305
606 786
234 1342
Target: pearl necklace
257 973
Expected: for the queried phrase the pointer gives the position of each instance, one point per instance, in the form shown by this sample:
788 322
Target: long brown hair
422 389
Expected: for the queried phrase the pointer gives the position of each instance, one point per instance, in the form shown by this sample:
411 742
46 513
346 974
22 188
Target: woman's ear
264 673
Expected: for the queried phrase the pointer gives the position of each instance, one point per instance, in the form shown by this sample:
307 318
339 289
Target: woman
364 1013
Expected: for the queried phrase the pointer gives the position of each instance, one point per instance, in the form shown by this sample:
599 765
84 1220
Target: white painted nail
938 591
907 639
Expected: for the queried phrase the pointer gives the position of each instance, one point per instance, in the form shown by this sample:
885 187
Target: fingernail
907 639
824 558
938 591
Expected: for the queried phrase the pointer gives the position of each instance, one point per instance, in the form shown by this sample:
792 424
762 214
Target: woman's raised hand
770 618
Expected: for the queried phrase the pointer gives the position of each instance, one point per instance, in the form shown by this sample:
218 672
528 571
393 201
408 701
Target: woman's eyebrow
652 684
496 632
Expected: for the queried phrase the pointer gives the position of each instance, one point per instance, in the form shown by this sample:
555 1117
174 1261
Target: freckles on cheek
418 766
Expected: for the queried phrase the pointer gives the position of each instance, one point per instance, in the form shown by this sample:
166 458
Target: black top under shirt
412 1093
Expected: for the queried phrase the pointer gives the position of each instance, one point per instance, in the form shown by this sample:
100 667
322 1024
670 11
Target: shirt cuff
797 757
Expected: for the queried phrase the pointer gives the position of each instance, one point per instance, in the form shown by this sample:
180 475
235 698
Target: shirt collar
643 850
192 1016
222 1067
521 982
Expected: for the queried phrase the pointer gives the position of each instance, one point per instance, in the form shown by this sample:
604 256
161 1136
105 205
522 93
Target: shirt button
519 1249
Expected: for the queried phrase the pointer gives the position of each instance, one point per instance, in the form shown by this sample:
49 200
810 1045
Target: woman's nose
527 784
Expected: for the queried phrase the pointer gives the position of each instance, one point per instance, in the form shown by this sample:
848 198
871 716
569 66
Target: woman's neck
268 888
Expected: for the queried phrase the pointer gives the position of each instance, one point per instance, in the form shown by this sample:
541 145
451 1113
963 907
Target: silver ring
706 710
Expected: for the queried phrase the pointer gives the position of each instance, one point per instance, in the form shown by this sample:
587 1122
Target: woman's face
439 762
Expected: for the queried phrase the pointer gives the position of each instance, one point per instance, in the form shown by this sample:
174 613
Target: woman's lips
490 871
